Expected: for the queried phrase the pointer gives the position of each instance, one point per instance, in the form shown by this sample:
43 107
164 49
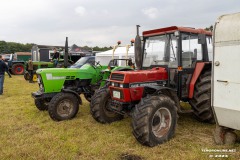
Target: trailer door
226 71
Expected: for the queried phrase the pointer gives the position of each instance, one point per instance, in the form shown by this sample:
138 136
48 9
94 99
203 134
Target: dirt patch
127 156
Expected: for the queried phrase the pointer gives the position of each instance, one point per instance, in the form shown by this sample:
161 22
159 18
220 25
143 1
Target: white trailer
118 52
226 78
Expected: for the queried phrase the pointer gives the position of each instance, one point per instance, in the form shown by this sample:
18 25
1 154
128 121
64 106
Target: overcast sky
102 22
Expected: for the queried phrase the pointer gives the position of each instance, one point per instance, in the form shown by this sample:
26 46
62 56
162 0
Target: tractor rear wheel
100 107
41 104
17 69
63 106
201 102
154 120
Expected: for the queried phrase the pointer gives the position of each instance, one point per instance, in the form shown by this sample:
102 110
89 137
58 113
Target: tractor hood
85 72
53 79
154 74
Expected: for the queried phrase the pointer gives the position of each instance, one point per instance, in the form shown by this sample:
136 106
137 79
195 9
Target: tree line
12 47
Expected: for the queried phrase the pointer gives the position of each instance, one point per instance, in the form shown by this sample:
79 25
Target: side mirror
201 39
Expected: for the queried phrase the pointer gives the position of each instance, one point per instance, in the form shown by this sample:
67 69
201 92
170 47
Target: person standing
55 57
30 70
3 69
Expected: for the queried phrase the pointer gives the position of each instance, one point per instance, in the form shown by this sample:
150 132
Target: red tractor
174 66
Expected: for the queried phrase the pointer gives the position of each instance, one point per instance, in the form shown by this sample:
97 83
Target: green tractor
59 88
42 64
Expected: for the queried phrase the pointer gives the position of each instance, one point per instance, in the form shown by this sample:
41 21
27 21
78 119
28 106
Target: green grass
27 133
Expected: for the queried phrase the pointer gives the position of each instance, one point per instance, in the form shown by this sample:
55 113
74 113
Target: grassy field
27 133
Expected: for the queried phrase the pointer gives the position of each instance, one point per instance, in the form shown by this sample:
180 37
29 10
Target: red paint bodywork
198 69
135 93
173 29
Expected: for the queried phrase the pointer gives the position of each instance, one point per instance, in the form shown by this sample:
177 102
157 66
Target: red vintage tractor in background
174 66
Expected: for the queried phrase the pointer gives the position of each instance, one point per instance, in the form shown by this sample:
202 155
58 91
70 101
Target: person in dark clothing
30 70
55 57
3 69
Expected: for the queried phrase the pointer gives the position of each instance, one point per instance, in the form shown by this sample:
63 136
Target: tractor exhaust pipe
66 54
138 50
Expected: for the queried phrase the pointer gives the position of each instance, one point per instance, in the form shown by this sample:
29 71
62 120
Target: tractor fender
162 90
197 72
75 93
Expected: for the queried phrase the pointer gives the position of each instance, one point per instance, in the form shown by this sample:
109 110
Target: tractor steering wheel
98 63
95 66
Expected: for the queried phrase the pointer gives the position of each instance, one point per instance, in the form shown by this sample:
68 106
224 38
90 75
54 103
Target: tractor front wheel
100 107
63 106
41 104
154 120
17 69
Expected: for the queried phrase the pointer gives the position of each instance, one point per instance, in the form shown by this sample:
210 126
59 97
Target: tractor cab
178 50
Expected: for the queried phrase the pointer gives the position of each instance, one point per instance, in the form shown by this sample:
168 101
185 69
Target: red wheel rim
19 69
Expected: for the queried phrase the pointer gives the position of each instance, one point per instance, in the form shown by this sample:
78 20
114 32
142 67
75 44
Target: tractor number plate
116 94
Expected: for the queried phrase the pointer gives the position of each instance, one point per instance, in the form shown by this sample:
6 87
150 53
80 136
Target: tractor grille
70 77
117 77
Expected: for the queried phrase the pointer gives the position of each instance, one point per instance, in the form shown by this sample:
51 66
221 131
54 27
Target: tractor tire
63 106
154 120
17 69
88 97
99 107
26 76
41 104
201 102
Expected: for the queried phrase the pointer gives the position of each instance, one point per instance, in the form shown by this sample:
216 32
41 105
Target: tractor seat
187 59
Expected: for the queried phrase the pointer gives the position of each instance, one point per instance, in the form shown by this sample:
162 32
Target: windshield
120 62
82 61
160 50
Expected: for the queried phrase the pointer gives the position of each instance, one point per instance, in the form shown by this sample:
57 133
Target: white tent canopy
120 53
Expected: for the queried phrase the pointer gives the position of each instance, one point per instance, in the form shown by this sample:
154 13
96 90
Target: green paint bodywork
42 64
53 78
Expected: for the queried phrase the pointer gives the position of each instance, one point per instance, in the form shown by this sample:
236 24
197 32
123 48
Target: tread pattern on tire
55 100
41 105
142 116
97 104
201 102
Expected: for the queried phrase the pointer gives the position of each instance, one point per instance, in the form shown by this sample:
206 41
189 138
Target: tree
210 28
12 47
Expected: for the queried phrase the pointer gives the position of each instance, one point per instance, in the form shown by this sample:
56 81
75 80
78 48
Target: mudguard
162 90
75 93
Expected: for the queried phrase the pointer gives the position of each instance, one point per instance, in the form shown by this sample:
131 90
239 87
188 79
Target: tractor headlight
40 83
121 85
